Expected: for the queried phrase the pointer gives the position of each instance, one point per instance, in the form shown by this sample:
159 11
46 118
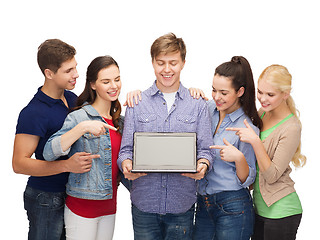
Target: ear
93 85
48 73
286 95
184 62
240 91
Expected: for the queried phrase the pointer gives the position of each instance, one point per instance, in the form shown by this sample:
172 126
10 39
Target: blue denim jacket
97 183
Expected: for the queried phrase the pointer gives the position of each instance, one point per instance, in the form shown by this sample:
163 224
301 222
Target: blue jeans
153 226
227 215
45 212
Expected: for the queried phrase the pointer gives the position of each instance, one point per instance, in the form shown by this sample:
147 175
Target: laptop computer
164 152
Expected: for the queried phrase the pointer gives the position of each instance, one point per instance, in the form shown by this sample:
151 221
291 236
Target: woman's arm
230 153
273 167
94 127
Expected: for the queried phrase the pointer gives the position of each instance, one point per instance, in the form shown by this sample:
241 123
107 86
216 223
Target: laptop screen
164 152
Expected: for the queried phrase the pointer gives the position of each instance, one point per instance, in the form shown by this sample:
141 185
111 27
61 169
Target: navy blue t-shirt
44 116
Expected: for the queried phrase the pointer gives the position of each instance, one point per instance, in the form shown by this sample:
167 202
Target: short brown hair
52 53
168 43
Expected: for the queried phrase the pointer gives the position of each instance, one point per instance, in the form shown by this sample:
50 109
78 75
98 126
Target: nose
262 97
167 68
113 84
216 96
76 74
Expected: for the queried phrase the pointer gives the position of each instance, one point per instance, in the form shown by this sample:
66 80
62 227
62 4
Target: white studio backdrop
265 32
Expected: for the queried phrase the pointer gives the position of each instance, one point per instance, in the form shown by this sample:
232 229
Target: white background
265 32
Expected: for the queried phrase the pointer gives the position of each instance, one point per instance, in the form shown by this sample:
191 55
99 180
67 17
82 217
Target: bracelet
207 166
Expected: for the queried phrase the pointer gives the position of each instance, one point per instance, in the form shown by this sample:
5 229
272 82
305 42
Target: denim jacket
97 183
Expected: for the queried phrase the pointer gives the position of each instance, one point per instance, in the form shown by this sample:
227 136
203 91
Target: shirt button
164 103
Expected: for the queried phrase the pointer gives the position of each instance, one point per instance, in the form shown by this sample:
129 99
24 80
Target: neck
52 90
103 108
280 112
168 89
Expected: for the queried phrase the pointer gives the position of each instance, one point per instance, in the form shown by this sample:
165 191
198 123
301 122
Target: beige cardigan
275 182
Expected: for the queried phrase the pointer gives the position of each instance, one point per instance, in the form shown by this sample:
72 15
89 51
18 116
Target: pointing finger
226 142
233 129
246 123
110 127
217 147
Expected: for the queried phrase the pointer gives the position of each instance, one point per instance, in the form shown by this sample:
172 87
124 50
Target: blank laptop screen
164 152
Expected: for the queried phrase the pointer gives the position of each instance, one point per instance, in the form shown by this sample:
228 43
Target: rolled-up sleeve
126 149
204 136
250 157
248 153
53 150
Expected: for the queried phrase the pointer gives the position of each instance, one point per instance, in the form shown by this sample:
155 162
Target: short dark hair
52 53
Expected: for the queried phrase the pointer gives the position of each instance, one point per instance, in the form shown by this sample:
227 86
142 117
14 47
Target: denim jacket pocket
147 122
91 143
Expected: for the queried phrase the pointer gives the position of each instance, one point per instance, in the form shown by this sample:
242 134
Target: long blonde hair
279 77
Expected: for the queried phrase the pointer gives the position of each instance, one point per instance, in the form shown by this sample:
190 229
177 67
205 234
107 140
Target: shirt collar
234 115
41 96
154 90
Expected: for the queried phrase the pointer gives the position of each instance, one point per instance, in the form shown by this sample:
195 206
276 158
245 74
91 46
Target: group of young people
88 148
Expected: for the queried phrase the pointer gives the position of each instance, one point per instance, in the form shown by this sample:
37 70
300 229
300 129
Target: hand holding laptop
202 168
127 167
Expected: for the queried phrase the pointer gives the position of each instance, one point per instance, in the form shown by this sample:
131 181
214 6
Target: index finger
92 156
233 129
110 127
217 147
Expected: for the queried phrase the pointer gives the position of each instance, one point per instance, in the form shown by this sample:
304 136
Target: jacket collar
90 110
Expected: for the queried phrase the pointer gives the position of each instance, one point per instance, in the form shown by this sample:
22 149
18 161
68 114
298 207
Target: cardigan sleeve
284 150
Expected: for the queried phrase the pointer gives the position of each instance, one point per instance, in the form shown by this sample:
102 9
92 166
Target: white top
169 97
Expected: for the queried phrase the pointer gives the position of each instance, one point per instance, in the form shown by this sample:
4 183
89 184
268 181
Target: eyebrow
223 90
266 92
108 79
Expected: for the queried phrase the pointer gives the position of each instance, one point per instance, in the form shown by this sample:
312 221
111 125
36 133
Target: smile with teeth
73 82
167 76
219 104
113 93
264 105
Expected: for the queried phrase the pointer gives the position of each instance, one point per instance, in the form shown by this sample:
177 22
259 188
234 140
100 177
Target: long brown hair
240 73
89 95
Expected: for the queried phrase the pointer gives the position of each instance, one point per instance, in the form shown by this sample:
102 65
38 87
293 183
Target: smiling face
108 84
167 68
66 76
227 99
269 97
